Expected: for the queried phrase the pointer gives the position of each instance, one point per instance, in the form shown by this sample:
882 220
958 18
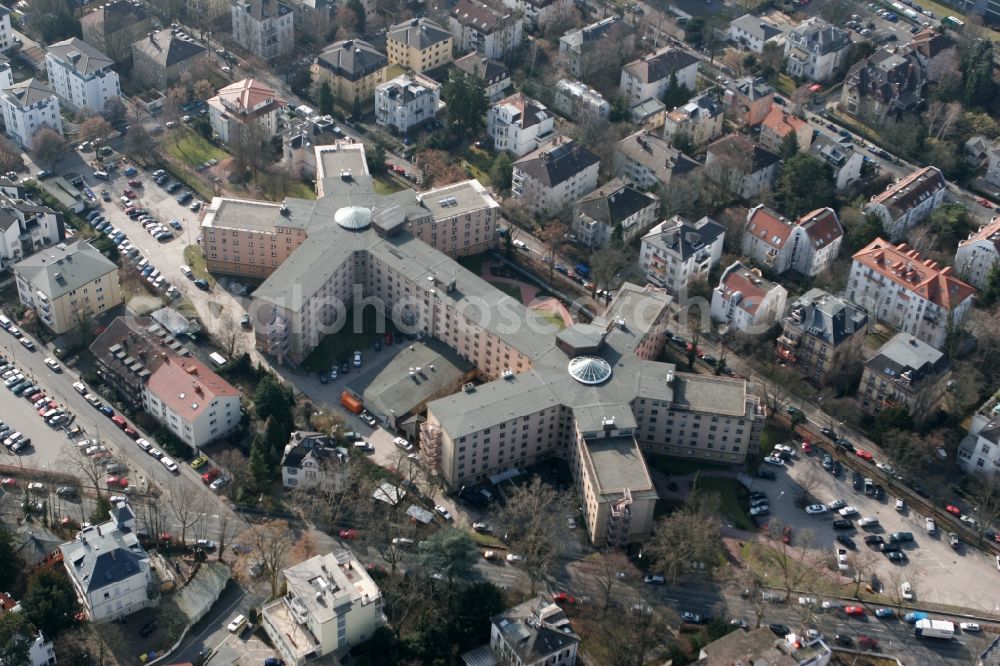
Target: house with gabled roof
616 204
494 74
649 161
420 44
778 124
808 245
752 32
161 59
534 633
819 327
744 167
908 201
312 459
81 75
978 255
814 50
905 372
650 76
489 28
844 160
519 125
746 301
555 175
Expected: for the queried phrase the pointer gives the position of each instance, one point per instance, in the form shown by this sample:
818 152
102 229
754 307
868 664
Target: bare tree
228 527
187 507
864 564
268 544
229 334
10 156
630 643
203 89
95 127
608 570
139 143
751 584
796 558
48 146
74 460
687 537
533 520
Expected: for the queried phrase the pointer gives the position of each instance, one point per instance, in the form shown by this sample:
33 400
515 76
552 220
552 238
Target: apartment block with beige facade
249 238
420 44
463 219
66 283
817 331
352 67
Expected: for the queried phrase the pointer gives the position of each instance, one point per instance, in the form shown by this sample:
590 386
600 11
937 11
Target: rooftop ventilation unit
507 374
469 388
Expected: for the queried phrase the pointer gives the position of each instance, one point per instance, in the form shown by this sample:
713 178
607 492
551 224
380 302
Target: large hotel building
592 394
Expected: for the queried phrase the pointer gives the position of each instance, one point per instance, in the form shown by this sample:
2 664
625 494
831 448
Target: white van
80 388
186 270
4 321
102 175
520 245
170 464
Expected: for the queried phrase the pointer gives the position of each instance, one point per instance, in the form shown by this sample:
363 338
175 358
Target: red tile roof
988 232
6 602
769 226
782 123
188 386
923 277
244 96
910 191
822 227
748 283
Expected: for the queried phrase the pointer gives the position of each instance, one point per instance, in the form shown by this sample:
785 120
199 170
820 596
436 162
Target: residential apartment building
209 10
112 27
746 301
900 289
330 605
937 53
615 208
265 28
887 83
493 74
491 29
978 254
6 32
762 646
649 161
460 219
6 73
818 331
580 49
814 50
979 452
778 124
677 252
555 175
519 125
311 460
28 106
752 32
698 121
195 404
650 115
109 569
808 245
25 228
908 201
534 633
160 60
844 160
246 109
580 103
406 101
419 44
81 75
67 283
905 372
541 13
749 100
352 67
650 76
741 166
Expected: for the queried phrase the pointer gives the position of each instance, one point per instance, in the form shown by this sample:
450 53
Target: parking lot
931 565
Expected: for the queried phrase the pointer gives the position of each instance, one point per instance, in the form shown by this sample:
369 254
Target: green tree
991 291
301 80
501 171
860 228
275 438
951 224
470 615
274 400
50 603
467 103
15 639
889 420
376 159
259 463
675 94
358 8
977 74
450 552
694 31
325 95
101 508
8 574
789 146
805 184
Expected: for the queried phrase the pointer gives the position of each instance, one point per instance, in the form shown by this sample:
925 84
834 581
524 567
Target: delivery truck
934 629
351 403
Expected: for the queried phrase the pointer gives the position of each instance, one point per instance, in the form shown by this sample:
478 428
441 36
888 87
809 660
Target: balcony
430 446
620 521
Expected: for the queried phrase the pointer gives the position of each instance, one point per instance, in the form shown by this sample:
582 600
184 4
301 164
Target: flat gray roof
243 214
618 463
333 159
456 199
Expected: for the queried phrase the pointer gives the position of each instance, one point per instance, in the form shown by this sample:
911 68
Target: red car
807 447
388 338
135 183
953 510
563 598
117 481
131 432
119 421
786 534
348 534
46 407
984 202
210 475
864 455
129 193
854 611
8 482
867 642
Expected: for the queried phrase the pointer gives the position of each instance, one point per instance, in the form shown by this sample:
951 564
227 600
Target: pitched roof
420 33
904 353
134 346
104 555
832 152
988 232
116 15
557 161
261 10
169 52
911 191
660 65
614 202
744 152
656 154
753 88
477 64
528 112
740 280
769 226
782 123
905 267
353 57
816 36
535 629
889 77
83 57
60 269
825 316
27 93
188 386
682 237
822 227
481 16
756 26
244 96
589 33
930 42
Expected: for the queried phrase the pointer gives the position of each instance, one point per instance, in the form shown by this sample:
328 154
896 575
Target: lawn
385 185
342 344
772 435
194 258
472 263
550 317
733 500
192 148
682 466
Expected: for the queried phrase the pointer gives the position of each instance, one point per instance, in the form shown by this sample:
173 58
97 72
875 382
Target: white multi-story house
909 200
580 103
845 161
25 228
494 75
752 32
979 452
650 76
677 252
490 29
815 49
534 633
519 125
615 205
808 245
265 28
901 289
109 568
311 459
542 12
27 107
746 301
699 120
81 75
41 652
978 254
580 49
6 73
197 405
406 101
649 161
740 165
6 33
330 605
246 108
555 175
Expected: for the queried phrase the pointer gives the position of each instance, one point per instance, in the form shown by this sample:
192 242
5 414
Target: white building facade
746 301
27 107
677 252
519 124
978 254
979 452
815 50
555 175
808 245
908 201
406 101
579 102
81 75
650 76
